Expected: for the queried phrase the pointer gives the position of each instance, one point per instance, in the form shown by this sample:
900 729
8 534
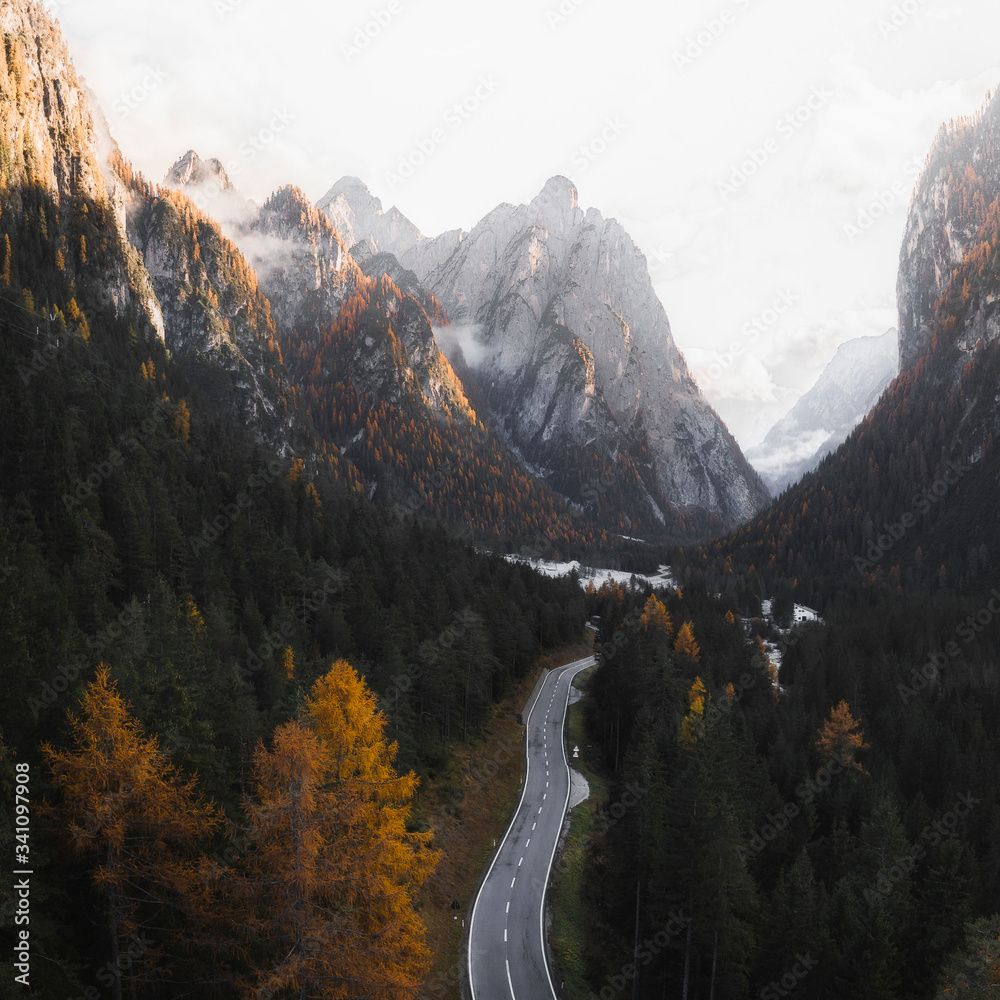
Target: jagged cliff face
47 125
302 262
385 348
577 350
49 142
309 276
381 263
151 257
950 207
218 321
440 388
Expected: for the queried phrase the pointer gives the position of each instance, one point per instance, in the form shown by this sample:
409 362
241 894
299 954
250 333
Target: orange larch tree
840 738
685 644
693 724
124 806
656 618
331 871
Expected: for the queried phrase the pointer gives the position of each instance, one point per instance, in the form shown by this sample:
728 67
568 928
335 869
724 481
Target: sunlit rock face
573 346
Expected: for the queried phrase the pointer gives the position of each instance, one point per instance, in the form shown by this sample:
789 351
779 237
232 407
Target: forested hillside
143 528
908 502
831 836
255 597
831 828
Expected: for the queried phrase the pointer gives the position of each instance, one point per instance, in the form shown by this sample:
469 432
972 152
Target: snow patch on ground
800 615
589 574
579 788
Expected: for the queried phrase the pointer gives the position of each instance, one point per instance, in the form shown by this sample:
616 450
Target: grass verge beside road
567 902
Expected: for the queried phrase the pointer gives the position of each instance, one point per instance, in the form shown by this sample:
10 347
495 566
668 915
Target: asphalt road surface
506 947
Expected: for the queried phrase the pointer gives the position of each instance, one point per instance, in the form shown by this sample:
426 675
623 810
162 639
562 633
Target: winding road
506 935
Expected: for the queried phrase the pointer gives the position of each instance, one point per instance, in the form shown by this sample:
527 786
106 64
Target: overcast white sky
596 90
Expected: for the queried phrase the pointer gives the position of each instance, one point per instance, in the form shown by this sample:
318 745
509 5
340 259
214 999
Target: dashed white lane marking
528 841
533 825
508 907
544 795
546 784
505 934
539 808
512 881
521 861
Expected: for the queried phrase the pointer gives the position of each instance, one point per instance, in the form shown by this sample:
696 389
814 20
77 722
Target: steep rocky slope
301 260
49 154
952 218
575 350
217 318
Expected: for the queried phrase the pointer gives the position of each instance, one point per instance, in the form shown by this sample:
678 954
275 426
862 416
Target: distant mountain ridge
823 417
357 352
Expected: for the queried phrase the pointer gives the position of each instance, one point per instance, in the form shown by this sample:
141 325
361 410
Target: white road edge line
580 665
513 820
590 661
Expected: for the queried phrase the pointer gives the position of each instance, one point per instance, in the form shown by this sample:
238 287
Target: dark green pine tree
701 868
872 905
942 900
796 926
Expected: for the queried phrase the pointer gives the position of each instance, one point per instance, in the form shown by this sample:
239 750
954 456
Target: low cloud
467 338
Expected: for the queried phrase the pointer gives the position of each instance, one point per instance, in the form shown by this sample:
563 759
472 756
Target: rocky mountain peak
358 216
557 204
356 192
576 353
207 184
191 169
